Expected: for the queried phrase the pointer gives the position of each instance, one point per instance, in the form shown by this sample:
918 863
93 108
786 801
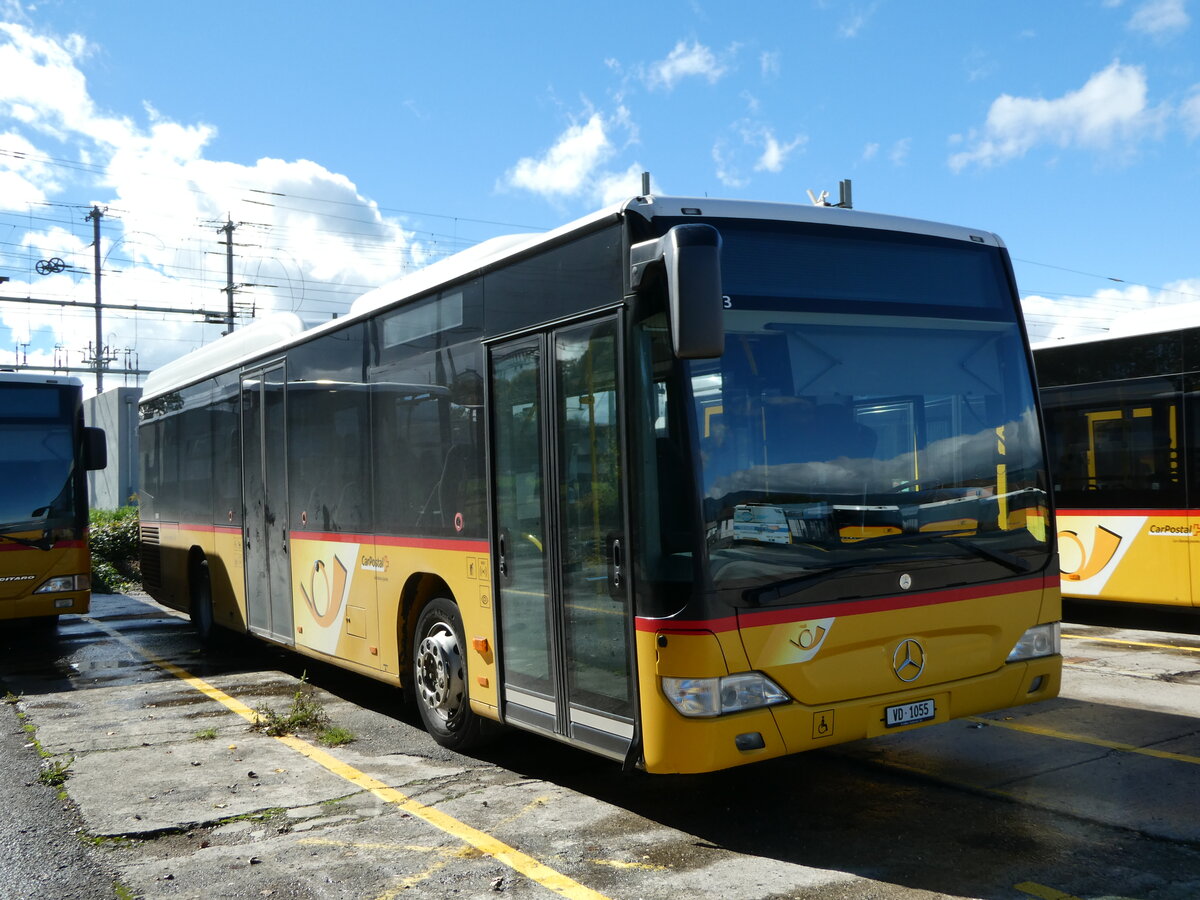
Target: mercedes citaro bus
45 455
688 483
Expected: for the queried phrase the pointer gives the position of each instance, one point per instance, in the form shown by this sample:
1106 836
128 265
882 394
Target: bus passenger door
561 555
265 504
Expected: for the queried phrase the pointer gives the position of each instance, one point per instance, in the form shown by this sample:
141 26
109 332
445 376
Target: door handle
617 556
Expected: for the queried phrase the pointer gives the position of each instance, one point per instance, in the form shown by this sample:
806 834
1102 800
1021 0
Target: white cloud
726 170
856 19
1189 113
771 64
316 242
870 151
613 187
770 154
1160 18
1113 310
775 154
684 61
24 179
574 167
899 152
1109 111
569 164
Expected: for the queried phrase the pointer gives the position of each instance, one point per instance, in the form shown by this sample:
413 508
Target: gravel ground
41 854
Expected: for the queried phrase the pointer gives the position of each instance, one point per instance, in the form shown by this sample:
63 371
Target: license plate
907 713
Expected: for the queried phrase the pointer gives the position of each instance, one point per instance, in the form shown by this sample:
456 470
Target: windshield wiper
1010 562
781 590
42 543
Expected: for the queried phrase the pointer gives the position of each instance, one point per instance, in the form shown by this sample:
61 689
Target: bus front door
561 562
264 498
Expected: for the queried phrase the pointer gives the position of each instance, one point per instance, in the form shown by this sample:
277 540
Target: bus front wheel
440 676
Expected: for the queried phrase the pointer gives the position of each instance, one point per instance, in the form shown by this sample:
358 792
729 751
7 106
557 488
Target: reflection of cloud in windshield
959 459
38 462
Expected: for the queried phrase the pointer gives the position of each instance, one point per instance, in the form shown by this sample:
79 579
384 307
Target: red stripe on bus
1128 512
845 608
469 545
57 545
413 543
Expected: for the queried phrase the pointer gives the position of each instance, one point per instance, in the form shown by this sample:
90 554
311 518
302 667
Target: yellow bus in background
1123 426
510 484
45 454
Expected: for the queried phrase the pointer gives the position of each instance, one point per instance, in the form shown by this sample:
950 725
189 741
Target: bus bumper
38 605
675 744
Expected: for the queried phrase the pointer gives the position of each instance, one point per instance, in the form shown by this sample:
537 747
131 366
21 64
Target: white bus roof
252 341
12 377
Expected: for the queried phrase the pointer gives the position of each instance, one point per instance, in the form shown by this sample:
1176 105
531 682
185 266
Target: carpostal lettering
375 563
1172 530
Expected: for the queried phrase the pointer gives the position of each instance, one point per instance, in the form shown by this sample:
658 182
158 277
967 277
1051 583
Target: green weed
336 736
305 712
55 772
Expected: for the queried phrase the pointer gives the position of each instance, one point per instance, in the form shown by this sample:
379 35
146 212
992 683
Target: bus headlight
64 583
1040 640
708 697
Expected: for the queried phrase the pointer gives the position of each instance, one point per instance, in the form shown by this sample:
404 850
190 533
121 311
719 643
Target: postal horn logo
908 662
1104 548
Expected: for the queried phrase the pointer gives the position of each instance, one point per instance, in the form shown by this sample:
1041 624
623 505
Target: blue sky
355 142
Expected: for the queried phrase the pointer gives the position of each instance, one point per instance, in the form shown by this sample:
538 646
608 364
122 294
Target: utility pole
227 228
95 215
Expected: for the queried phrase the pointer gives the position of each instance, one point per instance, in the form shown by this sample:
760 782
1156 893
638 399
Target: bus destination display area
1088 795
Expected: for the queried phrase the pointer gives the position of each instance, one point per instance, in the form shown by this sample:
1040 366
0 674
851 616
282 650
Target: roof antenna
845 201
645 184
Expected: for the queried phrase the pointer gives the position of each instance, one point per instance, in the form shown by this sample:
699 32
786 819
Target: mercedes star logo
908 662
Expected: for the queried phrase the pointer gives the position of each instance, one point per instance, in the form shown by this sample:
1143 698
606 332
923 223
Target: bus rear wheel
440 676
201 606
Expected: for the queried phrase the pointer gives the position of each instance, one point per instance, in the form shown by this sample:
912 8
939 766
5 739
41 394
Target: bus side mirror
691 259
95 449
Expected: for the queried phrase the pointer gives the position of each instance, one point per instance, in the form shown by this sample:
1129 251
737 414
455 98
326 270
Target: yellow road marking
1034 889
480 840
372 845
621 864
1085 739
411 881
1105 640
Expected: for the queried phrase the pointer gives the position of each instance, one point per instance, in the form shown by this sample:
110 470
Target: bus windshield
841 439
38 457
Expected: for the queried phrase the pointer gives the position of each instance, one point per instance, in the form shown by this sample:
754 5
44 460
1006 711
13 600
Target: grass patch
305 713
206 734
336 736
55 772
105 840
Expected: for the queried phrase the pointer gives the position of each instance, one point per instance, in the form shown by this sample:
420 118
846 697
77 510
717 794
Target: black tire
439 676
200 609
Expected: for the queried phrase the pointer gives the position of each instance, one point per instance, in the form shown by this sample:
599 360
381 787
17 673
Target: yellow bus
1122 418
508 484
45 452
